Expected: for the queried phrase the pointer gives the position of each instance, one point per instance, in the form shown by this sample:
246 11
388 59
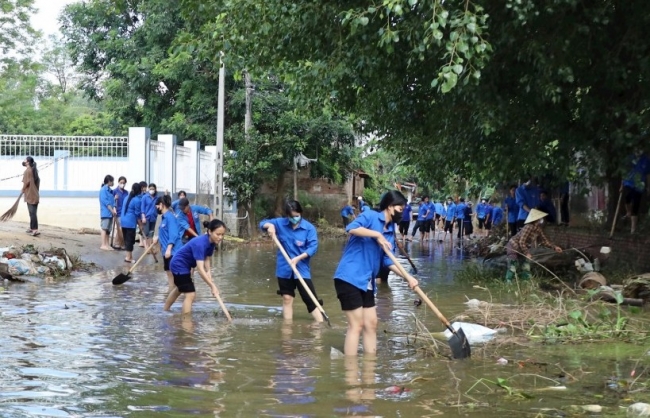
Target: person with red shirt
188 218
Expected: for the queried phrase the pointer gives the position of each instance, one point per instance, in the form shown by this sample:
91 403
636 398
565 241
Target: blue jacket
131 214
422 211
497 215
482 210
196 210
440 210
121 195
303 239
347 211
149 207
547 206
106 199
513 209
637 177
198 249
528 196
460 210
432 211
169 233
407 212
362 257
451 212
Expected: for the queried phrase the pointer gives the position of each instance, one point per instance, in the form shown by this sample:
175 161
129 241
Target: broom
12 211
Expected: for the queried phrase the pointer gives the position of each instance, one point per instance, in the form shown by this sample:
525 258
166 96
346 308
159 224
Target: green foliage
16 34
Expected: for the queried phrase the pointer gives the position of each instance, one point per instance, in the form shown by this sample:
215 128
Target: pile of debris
28 261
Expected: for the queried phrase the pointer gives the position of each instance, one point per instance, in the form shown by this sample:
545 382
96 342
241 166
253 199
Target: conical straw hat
535 215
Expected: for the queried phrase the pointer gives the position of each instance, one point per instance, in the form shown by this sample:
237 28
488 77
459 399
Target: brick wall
628 250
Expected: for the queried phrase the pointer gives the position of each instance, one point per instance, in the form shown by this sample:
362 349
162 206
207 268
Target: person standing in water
107 211
129 220
120 194
30 190
195 254
371 234
169 235
149 216
300 241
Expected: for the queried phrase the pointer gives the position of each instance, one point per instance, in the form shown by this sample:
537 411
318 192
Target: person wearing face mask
31 186
169 235
188 218
149 215
107 211
129 220
300 241
144 189
120 194
450 218
518 247
371 234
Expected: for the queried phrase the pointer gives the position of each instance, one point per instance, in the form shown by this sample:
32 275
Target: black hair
143 184
135 190
164 200
292 206
153 185
121 178
183 202
181 192
37 179
425 197
462 199
108 179
392 198
215 224
512 186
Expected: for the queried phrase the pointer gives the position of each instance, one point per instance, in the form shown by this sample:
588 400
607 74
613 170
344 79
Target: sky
46 19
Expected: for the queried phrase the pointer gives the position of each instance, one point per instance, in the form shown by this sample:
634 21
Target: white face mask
152 192
121 185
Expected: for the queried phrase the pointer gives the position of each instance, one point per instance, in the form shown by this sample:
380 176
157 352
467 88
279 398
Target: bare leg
105 245
170 281
173 295
129 256
287 307
370 330
317 315
187 303
352 336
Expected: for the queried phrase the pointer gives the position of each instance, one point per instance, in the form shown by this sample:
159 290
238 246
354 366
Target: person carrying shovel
518 247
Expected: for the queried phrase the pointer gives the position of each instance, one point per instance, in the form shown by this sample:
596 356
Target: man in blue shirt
428 220
439 215
546 205
362 205
460 216
512 210
637 182
527 196
481 215
450 216
347 214
188 218
422 215
406 220
497 215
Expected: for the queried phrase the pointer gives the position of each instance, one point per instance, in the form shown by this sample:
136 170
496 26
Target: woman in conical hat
518 248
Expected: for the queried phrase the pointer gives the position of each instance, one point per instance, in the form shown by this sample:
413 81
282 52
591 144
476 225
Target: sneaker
35 233
29 231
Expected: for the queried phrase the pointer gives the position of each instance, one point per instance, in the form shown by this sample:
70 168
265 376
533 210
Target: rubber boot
525 271
511 272
634 220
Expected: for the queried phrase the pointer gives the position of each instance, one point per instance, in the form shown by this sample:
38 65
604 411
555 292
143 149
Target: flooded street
83 347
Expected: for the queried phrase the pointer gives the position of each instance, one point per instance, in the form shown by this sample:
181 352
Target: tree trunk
252 220
613 185
279 195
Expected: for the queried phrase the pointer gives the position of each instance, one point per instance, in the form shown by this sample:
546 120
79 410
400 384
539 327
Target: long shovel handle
223 308
618 207
144 254
420 293
300 279
405 254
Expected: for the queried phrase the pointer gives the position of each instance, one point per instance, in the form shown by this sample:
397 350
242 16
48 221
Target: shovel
414 270
301 280
458 342
122 278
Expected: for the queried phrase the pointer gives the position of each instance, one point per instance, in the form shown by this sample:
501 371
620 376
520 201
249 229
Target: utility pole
248 121
295 178
218 164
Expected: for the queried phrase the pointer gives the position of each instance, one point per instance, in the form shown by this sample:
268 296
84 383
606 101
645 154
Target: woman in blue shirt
370 234
149 215
168 235
195 254
300 241
130 214
120 194
512 210
106 211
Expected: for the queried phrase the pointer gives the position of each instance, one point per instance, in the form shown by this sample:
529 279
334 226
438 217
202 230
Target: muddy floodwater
83 347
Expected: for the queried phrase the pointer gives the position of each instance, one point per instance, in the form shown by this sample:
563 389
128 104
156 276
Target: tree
16 33
57 63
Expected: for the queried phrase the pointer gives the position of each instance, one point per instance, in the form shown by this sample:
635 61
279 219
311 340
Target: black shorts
633 198
383 274
351 297
184 282
404 227
468 228
449 226
488 224
288 287
129 238
166 262
520 224
427 225
481 223
512 227
437 216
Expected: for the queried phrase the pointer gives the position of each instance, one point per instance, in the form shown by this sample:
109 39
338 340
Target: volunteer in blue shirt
423 208
428 220
300 241
149 215
512 210
439 215
450 216
188 218
180 195
107 211
196 254
481 214
460 216
637 182
130 215
527 196
347 214
406 220
169 235
371 234
546 205
497 215
120 194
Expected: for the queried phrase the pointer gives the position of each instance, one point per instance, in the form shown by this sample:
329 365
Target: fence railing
76 146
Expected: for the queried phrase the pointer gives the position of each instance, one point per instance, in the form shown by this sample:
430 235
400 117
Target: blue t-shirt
121 196
513 209
407 212
460 210
548 207
302 239
528 196
497 215
131 214
106 199
169 232
347 211
482 210
365 207
440 210
362 256
422 210
195 210
432 211
639 174
451 211
197 249
149 207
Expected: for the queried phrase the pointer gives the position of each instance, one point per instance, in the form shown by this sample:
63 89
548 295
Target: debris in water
638 409
336 354
502 362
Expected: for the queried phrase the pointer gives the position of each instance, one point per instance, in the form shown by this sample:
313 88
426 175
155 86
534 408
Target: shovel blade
121 278
459 344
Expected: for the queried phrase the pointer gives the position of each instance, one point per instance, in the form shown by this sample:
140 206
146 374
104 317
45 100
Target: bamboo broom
12 211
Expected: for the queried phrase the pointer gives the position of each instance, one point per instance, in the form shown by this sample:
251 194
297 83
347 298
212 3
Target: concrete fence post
138 154
170 161
193 171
